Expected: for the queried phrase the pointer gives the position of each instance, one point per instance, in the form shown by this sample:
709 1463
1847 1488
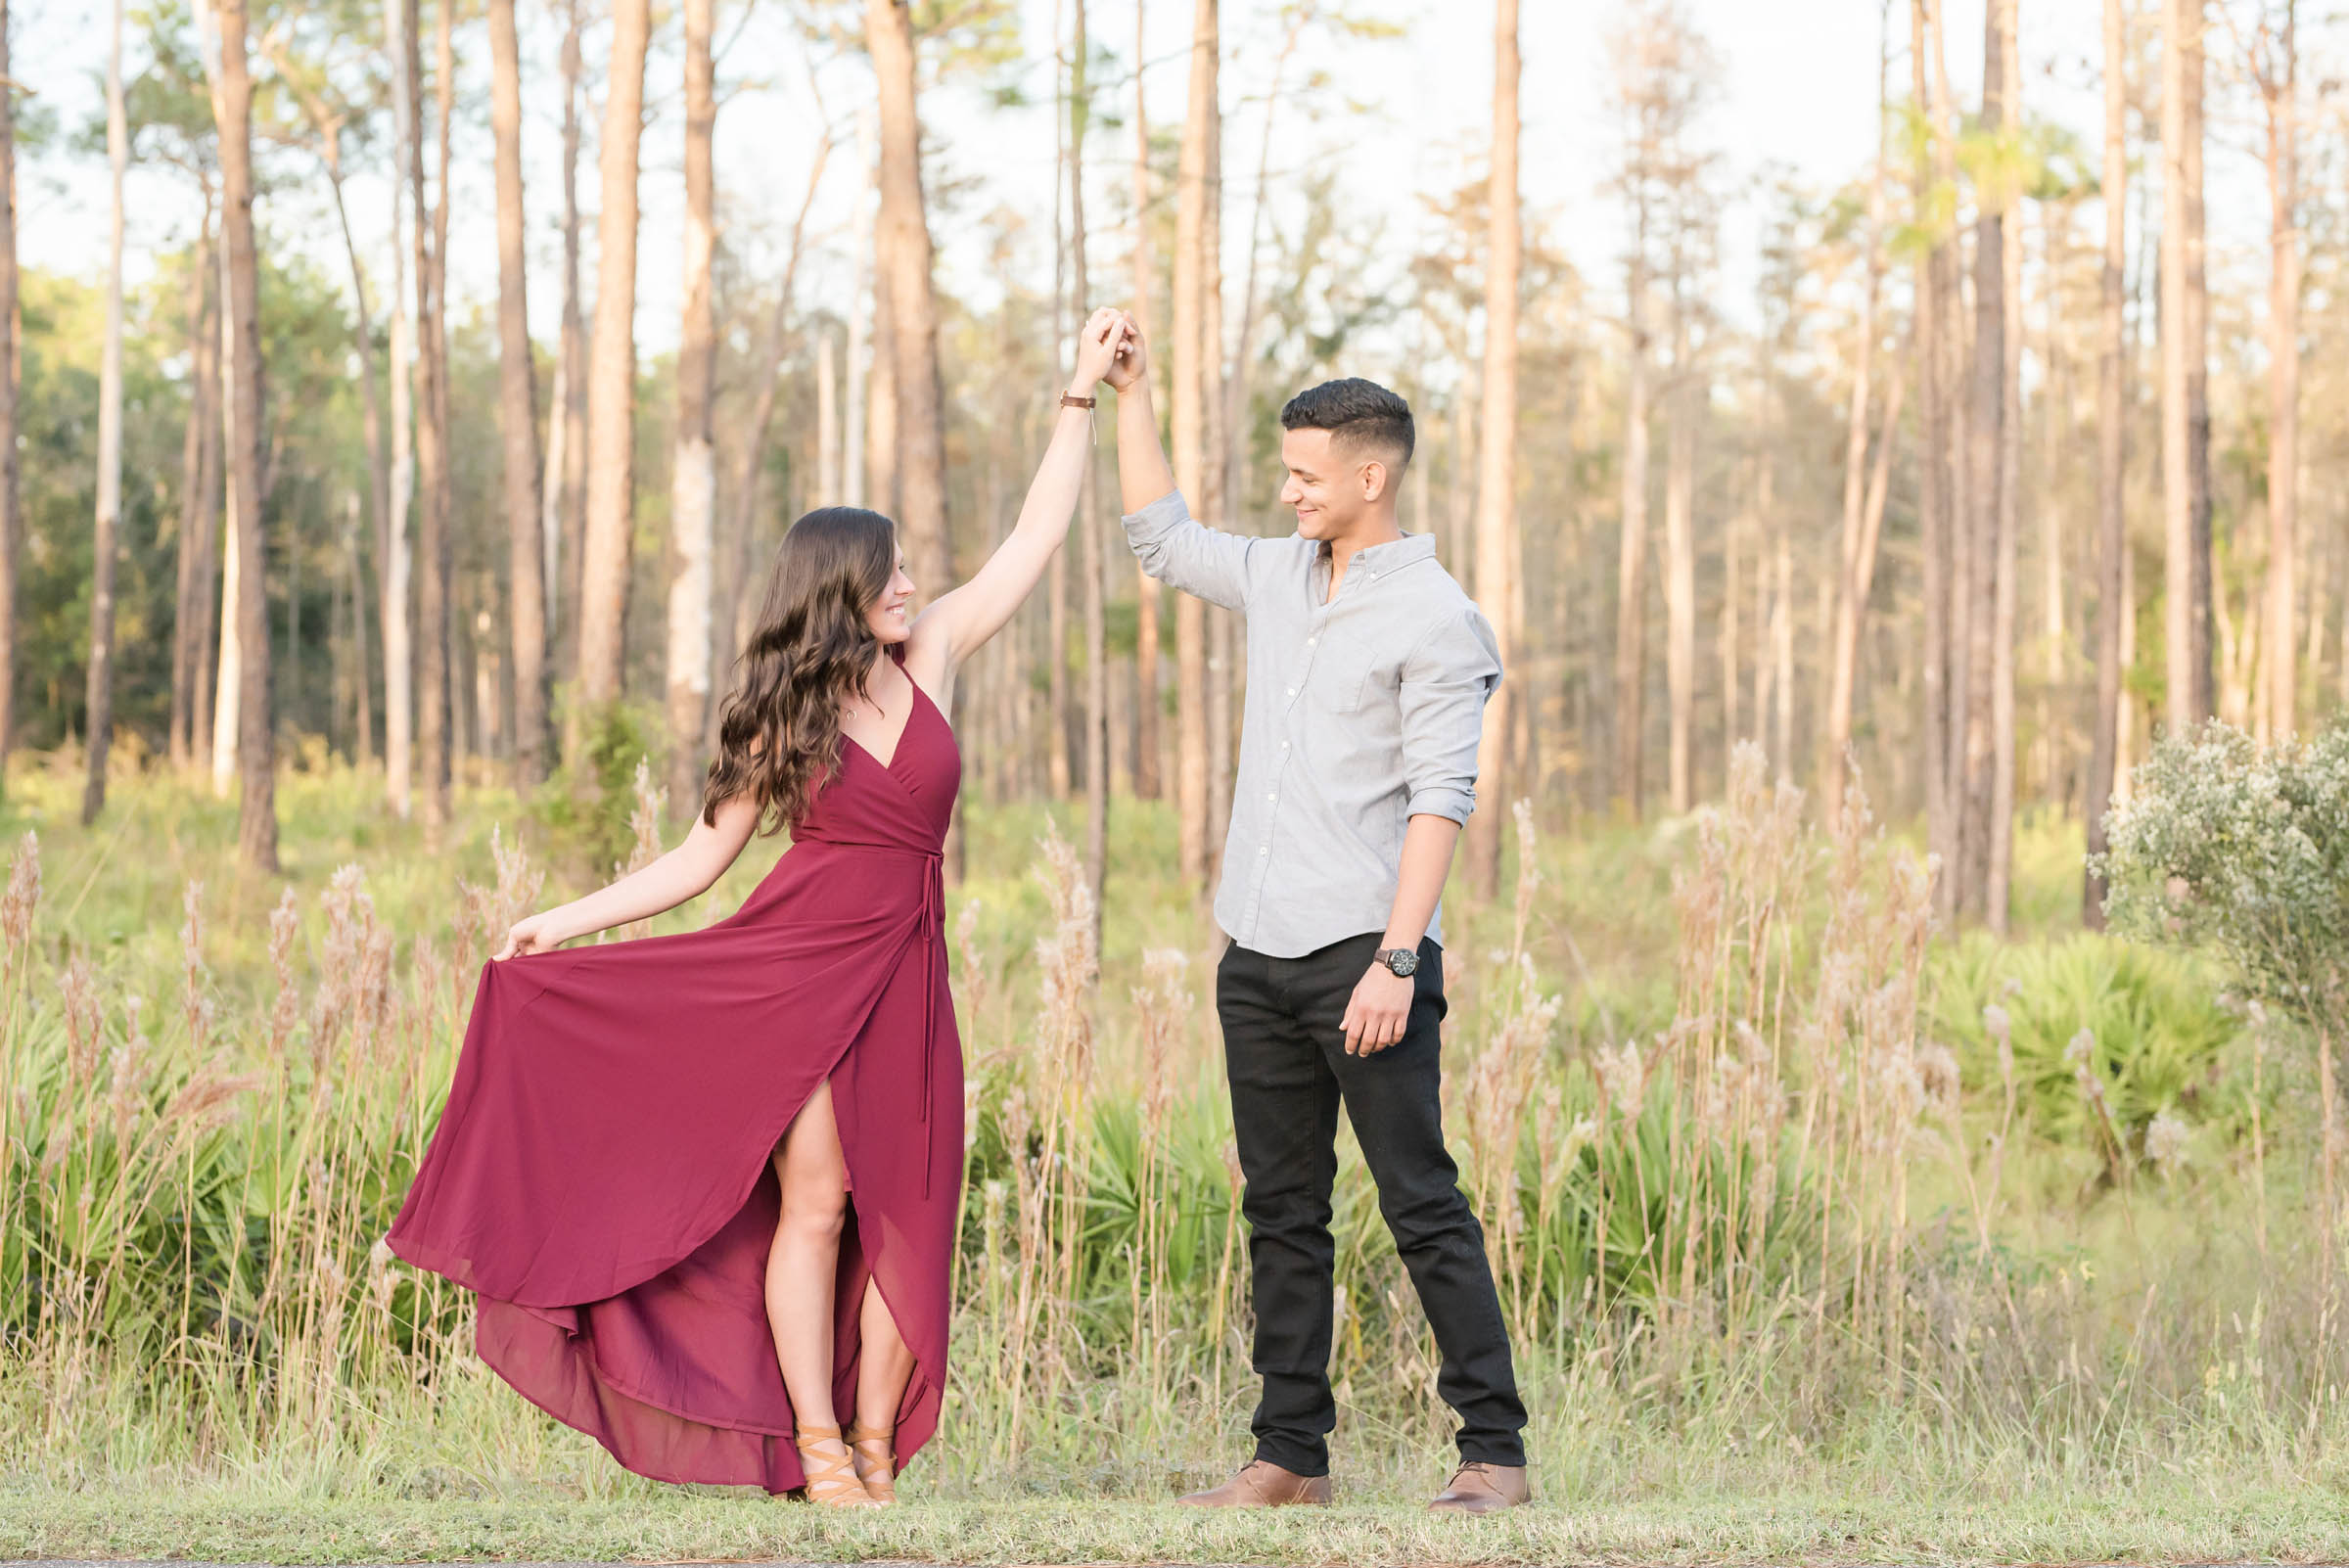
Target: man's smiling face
1329 486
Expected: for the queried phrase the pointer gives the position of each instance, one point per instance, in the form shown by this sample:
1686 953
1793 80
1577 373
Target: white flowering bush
2243 850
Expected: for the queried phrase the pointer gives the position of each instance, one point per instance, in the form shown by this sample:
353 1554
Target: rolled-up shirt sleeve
1184 553
1445 682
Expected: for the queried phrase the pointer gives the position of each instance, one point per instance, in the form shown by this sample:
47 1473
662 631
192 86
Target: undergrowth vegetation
1782 1185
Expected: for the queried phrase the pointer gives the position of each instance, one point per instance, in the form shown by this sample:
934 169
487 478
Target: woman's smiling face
891 613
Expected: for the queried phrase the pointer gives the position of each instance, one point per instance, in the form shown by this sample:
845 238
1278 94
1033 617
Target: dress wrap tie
933 922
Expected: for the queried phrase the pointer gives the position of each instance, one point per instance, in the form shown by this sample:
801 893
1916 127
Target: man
1367 675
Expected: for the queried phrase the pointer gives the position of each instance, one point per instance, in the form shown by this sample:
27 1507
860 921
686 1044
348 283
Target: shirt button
1292 691
1264 848
1309 641
1271 797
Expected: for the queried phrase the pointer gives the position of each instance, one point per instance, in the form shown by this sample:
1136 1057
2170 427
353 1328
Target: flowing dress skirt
601 1174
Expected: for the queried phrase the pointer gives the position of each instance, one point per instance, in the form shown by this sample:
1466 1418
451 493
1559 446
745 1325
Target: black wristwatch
1403 961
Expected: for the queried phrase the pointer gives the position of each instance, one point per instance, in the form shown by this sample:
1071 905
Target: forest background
402 403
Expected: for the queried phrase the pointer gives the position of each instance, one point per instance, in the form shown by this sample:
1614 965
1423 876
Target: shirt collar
1390 556
1396 552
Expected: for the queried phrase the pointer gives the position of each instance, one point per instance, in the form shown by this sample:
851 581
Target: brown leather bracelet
1071 400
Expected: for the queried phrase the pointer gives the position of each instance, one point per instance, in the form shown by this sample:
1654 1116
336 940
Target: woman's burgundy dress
600 1175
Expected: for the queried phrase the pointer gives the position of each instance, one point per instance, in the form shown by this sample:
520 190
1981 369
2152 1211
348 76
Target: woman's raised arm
677 876
961 620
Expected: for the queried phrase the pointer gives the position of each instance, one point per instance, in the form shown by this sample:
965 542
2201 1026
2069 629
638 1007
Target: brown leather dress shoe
1261 1483
1480 1488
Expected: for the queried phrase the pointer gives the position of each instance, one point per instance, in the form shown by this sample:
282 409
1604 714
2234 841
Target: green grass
2176 1521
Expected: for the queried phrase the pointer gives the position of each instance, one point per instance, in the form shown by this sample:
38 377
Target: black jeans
1285 1051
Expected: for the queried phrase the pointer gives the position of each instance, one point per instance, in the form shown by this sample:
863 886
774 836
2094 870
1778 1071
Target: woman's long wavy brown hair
778 735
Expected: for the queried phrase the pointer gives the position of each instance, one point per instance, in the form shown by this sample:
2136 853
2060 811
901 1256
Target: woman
704 1184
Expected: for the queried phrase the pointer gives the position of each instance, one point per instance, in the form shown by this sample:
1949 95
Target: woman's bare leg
802 1266
885 1365
804 1259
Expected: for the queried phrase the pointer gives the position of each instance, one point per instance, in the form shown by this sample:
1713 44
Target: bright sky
1800 90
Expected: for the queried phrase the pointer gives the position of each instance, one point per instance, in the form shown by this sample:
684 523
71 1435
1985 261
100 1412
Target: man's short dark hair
1360 414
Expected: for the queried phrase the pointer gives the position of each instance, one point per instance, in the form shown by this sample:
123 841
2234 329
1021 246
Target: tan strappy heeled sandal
832 1479
875 1453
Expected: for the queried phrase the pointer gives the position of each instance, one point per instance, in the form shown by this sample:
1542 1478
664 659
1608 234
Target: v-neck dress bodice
600 1175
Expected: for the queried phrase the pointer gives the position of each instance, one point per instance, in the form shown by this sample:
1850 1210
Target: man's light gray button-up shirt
1362 712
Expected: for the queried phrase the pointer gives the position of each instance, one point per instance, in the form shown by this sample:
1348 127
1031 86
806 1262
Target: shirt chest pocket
1359 671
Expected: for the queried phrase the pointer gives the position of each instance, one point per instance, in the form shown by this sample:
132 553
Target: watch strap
1071 400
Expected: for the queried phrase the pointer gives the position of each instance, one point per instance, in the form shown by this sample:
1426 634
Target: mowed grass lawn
2176 1522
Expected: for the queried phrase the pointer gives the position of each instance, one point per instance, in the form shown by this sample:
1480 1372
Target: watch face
1403 961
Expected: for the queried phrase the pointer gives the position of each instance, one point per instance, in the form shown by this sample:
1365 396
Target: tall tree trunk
1525 710
362 688
392 584
611 371
1196 185
2318 618
1680 546
1059 764
882 489
11 357
433 486
228 680
440 578
1007 664
484 656
1853 587
379 467
1954 558
2185 402
2280 87
1978 546
2237 652
2056 741
1728 634
1497 457
1880 489
196 566
2112 525
1765 670
1088 534
2007 518
827 420
1216 495
2198 364
562 489
693 502
518 411
232 113
2342 666
99 698
1420 476
855 489
1933 267
1456 547
2128 731
1781 650
1149 755
1631 578
921 453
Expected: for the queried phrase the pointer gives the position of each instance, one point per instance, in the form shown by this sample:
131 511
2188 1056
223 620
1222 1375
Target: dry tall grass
1770 1236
